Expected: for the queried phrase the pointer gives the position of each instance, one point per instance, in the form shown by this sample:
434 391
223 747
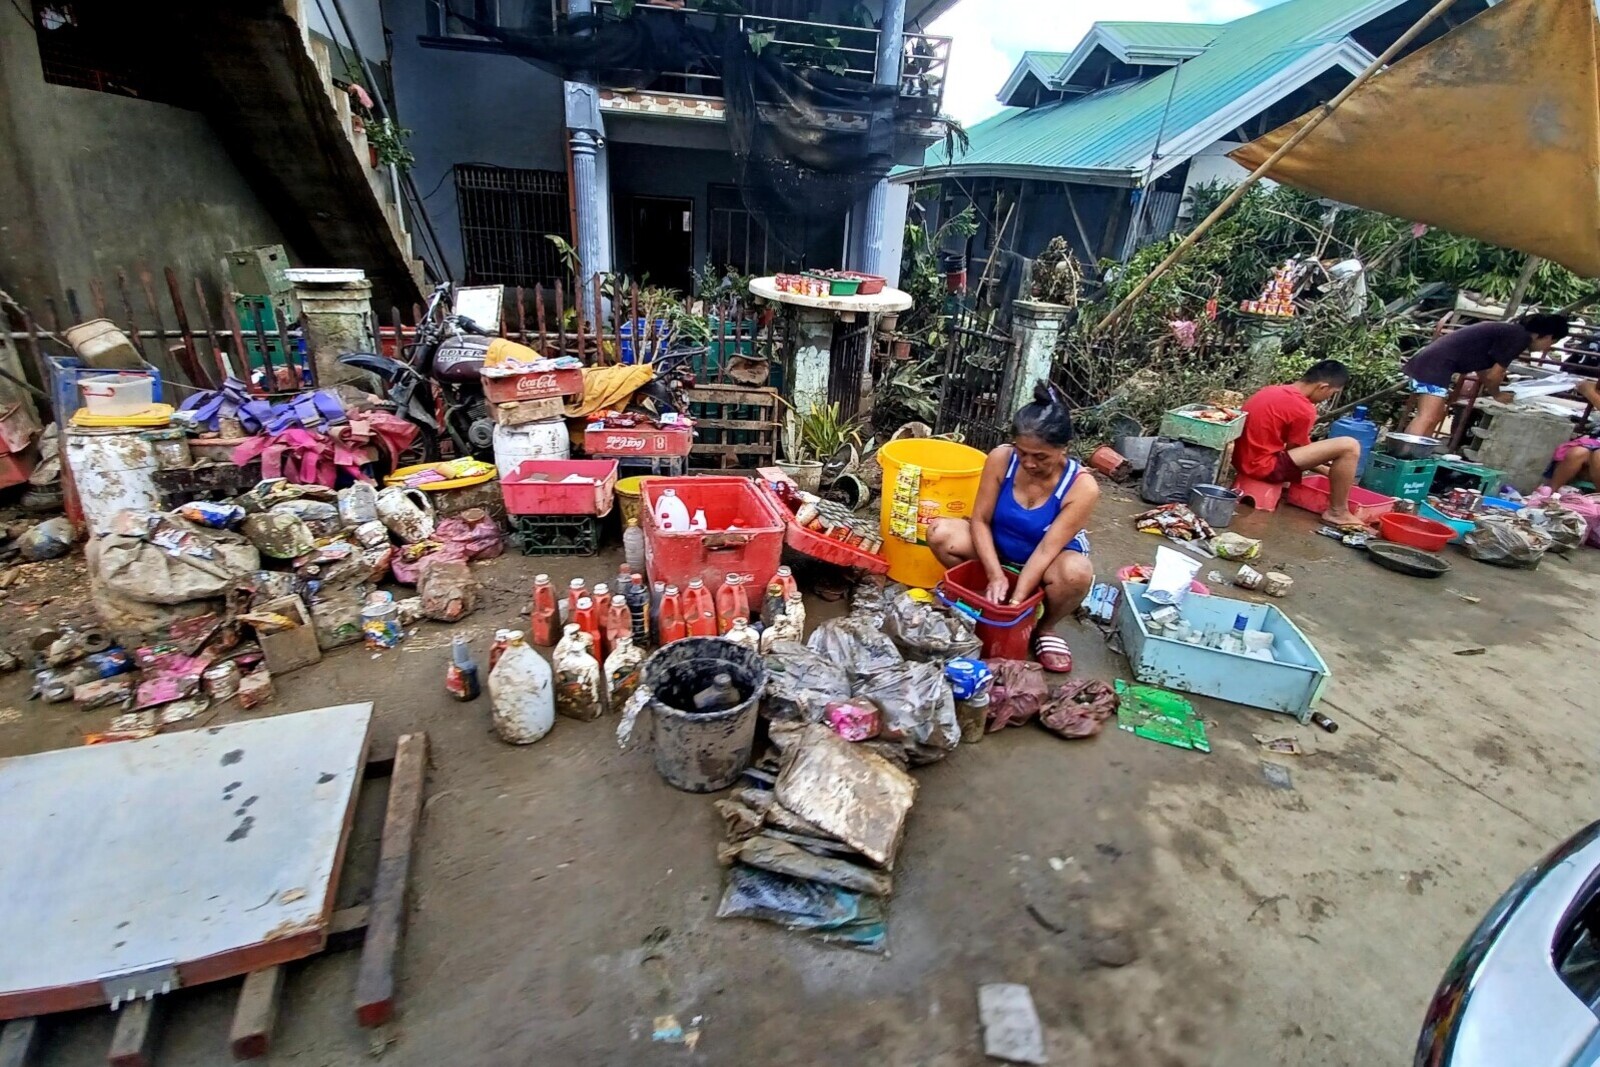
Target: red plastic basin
1004 629
1416 531
1311 494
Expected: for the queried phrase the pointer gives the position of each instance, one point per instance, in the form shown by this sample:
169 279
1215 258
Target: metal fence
979 361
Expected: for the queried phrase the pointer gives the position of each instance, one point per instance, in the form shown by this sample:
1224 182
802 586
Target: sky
991 35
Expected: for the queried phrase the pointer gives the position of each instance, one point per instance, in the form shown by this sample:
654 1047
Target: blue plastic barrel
1357 425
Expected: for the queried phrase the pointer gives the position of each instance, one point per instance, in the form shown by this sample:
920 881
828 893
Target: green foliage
569 255
924 325
389 140
911 389
818 433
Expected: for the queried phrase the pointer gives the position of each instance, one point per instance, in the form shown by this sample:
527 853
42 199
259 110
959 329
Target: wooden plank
375 981
752 395
18 1043
746 425
256 1014
133 1043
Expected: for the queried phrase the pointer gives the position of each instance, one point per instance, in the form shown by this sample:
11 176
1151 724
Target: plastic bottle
720 694
671 621
1357 425
698 610
638 597
545 620
740 633
521 692
601 595
698 523
461 677
785 577
577 676
780 629
731 603
1233 640
671 513
496 649
633 546
772 605
585 618
657 591
618 622
622 671
577 589
795 608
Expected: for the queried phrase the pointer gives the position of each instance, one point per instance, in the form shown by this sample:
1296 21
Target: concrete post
1035 329
338 319
873 208
587 131
813 358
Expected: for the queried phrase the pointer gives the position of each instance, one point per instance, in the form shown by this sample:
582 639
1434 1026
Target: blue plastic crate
1292 684
64 394
1464 526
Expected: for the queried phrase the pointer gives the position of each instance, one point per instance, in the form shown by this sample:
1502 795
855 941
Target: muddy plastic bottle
577 589
782 628
698 611
587 619
638 598
461 677
795 608
717 696
496 649
577 675
673 624
633 547
740 633
772 605
544 619
622 671
658 590
618 623
785 578
522 693
731 603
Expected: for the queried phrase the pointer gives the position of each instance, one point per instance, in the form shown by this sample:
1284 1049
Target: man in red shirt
1276 445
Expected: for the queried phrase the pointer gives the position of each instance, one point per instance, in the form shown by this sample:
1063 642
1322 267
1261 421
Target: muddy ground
1166 907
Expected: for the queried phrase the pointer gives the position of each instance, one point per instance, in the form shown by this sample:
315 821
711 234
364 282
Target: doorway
661 240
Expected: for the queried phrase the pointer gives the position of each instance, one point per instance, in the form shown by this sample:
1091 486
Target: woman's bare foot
1341 518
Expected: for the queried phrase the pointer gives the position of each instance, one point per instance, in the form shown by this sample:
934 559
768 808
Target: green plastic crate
1464 475
1407 479
1178 423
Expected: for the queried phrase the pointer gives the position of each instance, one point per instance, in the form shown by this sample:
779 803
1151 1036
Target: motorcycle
448 355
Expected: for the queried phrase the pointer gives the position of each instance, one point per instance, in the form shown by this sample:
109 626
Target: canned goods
222 681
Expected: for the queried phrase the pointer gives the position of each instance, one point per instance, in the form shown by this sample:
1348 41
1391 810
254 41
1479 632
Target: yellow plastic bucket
948 488
628 497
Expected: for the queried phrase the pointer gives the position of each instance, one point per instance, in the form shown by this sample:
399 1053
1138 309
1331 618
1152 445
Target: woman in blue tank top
1027 526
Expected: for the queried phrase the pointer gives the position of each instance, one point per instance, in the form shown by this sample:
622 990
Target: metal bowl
1408 446
1404 559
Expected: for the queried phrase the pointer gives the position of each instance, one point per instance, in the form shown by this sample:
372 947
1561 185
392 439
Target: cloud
991 35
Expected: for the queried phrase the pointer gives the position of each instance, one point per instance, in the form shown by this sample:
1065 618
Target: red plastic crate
828 549
537 487
1311 494
743 535
533 385
640 441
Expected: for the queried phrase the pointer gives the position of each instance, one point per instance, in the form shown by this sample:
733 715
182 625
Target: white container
672 514
532 440
522 692
408 513
117 394
577 676
113 470
101 343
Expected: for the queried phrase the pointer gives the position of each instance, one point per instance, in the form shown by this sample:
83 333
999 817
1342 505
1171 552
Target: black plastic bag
801 684
855 643
918 707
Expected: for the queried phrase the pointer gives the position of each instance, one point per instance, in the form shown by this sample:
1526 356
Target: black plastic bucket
702 752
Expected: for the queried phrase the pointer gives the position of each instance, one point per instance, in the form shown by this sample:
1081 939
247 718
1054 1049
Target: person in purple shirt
1487 347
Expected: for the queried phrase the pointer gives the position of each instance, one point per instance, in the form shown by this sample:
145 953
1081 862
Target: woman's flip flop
1052 653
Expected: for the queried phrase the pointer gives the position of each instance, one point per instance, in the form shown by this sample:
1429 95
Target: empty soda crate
1406 479
1181 423
556 535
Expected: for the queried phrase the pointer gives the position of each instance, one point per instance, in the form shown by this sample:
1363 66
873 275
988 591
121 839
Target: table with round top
826 326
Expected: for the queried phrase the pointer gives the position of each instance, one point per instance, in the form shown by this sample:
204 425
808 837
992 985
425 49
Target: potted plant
812 438
387 142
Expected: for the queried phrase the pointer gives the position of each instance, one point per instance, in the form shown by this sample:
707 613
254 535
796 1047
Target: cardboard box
518 412
289 650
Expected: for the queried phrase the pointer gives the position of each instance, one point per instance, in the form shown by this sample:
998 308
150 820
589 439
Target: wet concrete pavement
1166 907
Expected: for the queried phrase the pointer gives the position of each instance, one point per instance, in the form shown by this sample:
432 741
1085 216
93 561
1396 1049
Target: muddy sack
163 559
474 533
917 705
1018 693
929 632
1079 709
279 534
855 643
801 683
449 591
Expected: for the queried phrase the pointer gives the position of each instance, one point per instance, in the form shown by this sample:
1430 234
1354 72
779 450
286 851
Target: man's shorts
1424 389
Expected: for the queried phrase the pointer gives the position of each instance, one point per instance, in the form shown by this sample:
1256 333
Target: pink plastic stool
1263 496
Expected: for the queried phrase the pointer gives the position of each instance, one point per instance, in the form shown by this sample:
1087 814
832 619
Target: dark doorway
661 240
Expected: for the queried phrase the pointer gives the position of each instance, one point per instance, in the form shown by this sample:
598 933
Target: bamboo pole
1267 164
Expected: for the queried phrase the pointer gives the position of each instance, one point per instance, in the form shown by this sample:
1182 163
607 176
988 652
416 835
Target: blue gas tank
1357 425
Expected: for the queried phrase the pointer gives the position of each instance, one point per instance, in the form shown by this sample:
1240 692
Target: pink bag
1589 508
474 531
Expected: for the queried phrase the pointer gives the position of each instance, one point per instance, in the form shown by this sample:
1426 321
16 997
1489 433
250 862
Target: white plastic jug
358 504
672 514
578 694
522 691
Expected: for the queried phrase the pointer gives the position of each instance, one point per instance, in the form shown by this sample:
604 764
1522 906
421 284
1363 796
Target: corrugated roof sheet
1115 129
1162 34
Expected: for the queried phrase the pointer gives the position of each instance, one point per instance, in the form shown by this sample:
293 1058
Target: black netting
806 143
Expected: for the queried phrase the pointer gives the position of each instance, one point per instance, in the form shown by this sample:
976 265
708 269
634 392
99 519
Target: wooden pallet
377 926
744 420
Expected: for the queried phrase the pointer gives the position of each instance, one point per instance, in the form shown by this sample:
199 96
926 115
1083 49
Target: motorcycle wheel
424 448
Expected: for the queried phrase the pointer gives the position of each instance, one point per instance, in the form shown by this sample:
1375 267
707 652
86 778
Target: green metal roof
1115 129
1050 61
1162 34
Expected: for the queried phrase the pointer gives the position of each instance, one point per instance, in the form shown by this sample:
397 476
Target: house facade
1103 144
637 178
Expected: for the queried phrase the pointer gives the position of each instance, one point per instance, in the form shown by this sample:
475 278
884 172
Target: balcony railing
848 51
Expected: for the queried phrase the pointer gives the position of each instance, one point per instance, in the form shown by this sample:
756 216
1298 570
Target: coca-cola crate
639 441
532 385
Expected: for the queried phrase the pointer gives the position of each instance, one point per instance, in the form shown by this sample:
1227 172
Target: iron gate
979 364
